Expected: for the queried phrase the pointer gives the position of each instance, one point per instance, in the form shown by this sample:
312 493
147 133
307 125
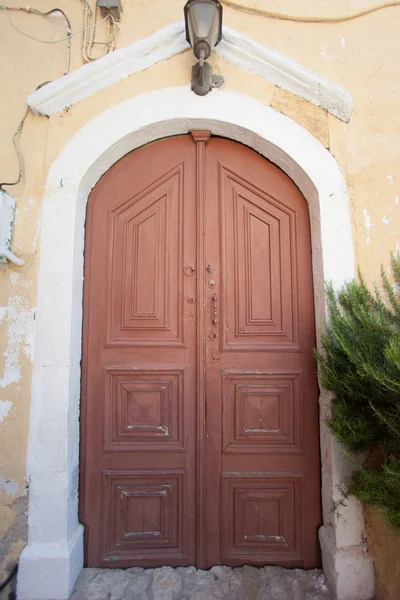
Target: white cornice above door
235 47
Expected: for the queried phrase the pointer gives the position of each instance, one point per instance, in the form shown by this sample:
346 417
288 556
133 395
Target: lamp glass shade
203 17
203 24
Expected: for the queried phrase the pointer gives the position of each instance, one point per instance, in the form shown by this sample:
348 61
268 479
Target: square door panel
144 512
143 410
260 516
260 413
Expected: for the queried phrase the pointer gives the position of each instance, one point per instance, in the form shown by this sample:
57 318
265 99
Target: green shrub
360 365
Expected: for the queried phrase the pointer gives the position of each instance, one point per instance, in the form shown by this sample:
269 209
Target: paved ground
246 583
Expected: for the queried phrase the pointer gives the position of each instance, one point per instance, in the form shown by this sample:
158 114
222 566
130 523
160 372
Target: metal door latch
215 310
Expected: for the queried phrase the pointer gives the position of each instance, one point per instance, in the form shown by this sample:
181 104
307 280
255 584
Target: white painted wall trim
169 41
108 70
53 557
284 72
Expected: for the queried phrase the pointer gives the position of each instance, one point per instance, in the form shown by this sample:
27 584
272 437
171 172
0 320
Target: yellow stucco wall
363 56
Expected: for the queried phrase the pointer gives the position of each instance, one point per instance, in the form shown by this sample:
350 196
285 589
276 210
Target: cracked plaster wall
362 56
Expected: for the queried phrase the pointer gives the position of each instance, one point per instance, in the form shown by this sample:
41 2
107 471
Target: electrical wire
28 10
19 156
61 39
88 41
110 45
286 17
18 132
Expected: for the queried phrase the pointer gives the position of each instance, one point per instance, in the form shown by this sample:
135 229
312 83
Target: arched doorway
199 399
53 557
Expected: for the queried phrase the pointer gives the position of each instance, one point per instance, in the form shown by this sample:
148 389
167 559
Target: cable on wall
88 40
18 153
67 37
286 17
87 45
110 43
35 11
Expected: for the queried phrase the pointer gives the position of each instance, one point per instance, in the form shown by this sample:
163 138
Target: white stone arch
53 558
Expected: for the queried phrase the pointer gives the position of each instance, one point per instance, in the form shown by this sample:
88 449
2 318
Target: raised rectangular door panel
144 515
261 519
144 410
145 298
261 412
199 396
258 265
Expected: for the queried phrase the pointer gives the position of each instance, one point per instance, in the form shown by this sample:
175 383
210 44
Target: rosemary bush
360 365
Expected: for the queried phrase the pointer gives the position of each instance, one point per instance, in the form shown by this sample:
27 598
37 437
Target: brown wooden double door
199 399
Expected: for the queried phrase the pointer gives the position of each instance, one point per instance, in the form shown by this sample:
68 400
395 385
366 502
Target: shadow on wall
8 587
384 545
11 546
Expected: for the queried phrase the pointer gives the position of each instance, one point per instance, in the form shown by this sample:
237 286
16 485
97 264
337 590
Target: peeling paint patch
396 199
29 338
385 220
368 224
14 276
390 179
37 234
9 486
5 406
367 219
19 336
3 311
324 54
342 41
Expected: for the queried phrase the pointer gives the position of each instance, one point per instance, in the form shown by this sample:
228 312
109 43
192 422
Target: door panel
265 510
262 410
258 269
146 235
198 293
261 413
139 422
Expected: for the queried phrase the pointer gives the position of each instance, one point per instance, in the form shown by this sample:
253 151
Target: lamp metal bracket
203 79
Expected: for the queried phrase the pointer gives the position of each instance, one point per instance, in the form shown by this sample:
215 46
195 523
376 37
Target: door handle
214 315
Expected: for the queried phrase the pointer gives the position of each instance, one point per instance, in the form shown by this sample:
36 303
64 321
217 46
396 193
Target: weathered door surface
199 398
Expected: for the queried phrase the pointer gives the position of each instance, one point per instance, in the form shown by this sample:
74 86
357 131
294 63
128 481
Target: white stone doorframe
53 558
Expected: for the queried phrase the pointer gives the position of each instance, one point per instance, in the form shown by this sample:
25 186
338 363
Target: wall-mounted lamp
203 21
